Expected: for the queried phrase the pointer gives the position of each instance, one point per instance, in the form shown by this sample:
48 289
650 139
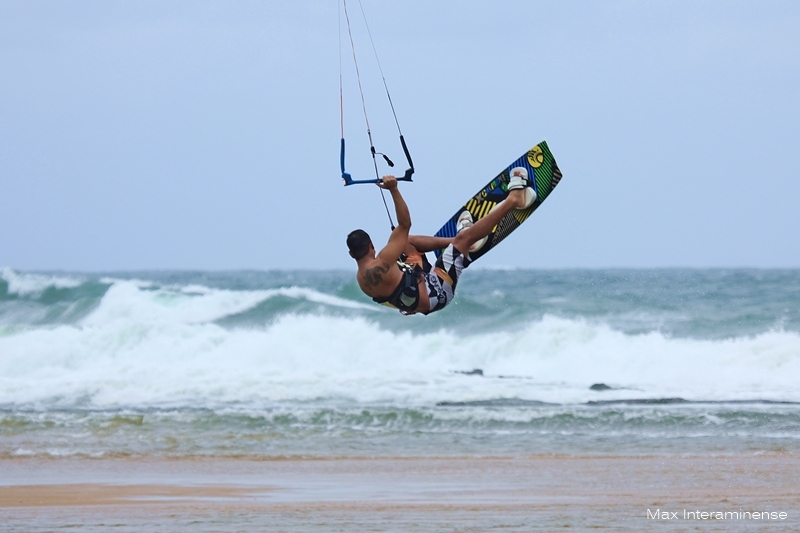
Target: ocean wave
114 360
26 284
132 302
33 300
689 304
315 428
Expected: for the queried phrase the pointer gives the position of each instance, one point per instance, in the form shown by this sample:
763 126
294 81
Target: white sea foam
129 302
24 284
175 356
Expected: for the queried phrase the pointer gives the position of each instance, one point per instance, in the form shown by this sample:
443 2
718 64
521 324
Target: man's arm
400 207
424 243
399 237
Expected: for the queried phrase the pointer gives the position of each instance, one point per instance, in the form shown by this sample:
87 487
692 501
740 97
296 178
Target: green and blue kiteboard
542 171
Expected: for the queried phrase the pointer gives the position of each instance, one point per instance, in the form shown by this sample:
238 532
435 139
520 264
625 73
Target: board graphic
542 171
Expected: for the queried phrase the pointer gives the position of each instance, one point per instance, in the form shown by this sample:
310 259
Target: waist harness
406 296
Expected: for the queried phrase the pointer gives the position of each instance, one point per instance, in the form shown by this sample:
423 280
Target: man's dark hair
358 242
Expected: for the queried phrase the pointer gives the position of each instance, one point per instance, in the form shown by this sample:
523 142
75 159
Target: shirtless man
400 275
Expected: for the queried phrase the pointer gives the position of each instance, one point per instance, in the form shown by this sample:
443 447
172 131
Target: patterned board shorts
443 278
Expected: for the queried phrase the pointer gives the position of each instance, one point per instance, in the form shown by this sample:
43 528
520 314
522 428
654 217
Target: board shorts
442 279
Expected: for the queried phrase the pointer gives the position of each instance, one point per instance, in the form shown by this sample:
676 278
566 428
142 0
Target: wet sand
540 492
80 494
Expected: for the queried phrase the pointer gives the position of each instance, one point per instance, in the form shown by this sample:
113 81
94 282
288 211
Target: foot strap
518 178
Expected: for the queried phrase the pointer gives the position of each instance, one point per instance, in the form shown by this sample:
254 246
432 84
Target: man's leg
423 243
469 236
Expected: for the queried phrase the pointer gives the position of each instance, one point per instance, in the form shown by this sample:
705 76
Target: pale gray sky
206 134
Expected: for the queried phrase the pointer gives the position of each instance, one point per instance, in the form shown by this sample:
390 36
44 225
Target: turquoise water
301 363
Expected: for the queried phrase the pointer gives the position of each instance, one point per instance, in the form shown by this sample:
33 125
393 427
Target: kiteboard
544 175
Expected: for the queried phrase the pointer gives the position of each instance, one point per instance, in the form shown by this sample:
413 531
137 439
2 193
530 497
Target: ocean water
300 363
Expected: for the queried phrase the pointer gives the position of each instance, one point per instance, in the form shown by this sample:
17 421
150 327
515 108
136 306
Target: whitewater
301 362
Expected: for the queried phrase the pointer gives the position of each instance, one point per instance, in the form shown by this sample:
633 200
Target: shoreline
444 479
515 493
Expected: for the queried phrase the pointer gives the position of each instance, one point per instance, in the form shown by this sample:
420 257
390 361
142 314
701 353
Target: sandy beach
624 493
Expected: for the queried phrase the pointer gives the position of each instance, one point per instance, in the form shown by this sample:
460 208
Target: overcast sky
205 135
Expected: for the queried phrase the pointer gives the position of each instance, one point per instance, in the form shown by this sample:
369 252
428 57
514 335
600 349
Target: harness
406 296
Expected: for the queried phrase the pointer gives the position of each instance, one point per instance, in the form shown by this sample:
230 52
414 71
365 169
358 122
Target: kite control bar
348 180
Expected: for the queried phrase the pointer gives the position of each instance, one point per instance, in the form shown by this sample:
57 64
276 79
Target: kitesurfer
401 276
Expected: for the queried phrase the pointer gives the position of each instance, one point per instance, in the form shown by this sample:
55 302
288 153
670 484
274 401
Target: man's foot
465 221
520 192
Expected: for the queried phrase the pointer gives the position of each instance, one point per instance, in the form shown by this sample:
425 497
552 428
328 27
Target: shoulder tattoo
373 276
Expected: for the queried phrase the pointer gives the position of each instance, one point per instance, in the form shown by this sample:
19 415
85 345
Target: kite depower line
348 179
